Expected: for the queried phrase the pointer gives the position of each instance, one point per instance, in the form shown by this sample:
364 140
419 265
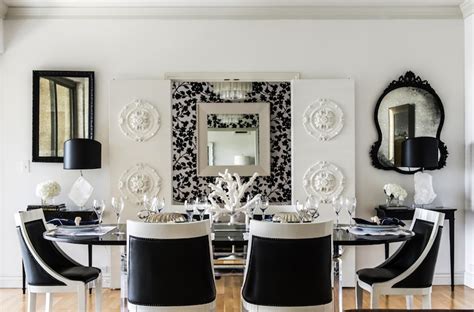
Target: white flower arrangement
395 191
48 189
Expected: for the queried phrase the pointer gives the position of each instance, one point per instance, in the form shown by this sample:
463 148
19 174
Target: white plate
77 228
377 227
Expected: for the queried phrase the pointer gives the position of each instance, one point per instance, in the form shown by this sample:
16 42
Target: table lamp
81 154
421 152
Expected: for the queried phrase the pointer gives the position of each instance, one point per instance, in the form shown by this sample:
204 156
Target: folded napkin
166 217
58 221
383 221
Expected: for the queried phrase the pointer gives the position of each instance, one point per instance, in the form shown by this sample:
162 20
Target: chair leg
81 298
409 300
98 294
359 296
426 301
374 299
49 302
31 301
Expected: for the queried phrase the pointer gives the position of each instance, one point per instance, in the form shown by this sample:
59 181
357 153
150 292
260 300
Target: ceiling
240 9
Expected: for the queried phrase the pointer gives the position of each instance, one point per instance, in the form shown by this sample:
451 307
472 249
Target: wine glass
201 205
154 205
99 207
146 202
337 204
189 210
161 205
350 203
118 204
312 207
301 211
263 205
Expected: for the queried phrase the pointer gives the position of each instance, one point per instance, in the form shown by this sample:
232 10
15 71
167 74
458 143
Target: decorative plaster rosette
139 180
139 120
323 119
323 180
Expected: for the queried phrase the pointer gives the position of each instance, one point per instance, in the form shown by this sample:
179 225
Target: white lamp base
424 193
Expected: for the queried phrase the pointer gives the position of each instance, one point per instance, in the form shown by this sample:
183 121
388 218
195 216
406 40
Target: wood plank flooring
228 298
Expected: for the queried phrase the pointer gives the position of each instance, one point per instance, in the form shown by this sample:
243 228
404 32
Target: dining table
342 237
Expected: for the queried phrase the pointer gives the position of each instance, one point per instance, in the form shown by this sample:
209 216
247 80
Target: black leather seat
288 267
410 269
47 268
170 266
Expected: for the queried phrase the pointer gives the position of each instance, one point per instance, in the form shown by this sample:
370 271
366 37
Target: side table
404 213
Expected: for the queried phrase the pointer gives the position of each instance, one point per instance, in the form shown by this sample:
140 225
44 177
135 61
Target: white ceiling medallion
139 120
139 180
323 180
323 119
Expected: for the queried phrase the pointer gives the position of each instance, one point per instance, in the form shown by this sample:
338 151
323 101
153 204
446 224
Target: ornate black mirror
408 108
63 109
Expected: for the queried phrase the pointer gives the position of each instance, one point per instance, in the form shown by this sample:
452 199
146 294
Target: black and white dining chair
170 267
288 267
48 269
410 270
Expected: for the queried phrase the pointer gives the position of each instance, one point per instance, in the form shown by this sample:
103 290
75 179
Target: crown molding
256 12
467 8
3 9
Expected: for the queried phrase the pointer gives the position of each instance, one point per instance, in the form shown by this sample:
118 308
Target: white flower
48 189
395 191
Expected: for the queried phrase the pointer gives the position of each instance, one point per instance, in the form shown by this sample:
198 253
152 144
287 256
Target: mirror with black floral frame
409 107
63 108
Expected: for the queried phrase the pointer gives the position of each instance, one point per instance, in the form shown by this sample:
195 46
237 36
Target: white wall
371 52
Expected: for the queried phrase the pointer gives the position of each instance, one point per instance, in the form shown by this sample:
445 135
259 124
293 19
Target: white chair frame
286 231
386 288
79 287
171 231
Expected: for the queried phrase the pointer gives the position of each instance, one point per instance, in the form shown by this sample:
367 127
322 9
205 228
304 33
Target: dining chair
288 267
410 270
170 267
48 269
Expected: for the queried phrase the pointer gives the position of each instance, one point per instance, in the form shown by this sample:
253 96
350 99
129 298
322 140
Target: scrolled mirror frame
36 107
408 80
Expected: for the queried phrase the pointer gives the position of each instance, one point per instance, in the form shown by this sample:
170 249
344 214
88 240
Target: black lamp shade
420 152
82 154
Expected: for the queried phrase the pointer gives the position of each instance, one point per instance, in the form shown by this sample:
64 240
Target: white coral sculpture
230 190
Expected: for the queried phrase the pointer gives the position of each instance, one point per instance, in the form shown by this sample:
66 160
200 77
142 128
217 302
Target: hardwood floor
228 299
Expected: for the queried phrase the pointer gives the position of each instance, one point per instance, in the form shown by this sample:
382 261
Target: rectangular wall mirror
63 108
234 136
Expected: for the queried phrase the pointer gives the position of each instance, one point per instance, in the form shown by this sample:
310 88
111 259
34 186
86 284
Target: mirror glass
63 110
405 113
232 139
408 108
234 136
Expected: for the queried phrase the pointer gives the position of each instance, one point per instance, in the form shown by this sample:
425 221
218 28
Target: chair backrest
42 258
289 265
417 257
170 264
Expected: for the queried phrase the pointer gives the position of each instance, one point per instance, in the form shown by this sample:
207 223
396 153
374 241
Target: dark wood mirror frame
408 80
37 74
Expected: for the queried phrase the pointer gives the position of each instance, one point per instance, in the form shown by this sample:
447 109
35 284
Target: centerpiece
229 190
47 190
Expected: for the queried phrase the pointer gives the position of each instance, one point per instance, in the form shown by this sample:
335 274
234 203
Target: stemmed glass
118 204
201 205
263 205
301 211
154 205
161 205
337 204
99 207
146 202
189 210
312 207
350 203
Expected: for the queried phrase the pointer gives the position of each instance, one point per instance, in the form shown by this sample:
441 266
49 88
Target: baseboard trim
469 279
15 281
445 279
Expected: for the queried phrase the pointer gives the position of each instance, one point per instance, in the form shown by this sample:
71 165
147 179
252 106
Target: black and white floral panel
186 183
